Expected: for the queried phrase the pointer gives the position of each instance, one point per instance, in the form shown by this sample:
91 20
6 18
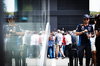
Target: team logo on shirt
81 24
89 28
82 28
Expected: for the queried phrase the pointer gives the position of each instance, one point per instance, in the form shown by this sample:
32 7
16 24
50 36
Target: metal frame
2 55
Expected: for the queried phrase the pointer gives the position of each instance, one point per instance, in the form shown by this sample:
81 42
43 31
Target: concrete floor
49 62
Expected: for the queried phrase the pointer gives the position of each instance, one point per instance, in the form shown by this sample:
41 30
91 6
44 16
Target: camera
91 20
98 29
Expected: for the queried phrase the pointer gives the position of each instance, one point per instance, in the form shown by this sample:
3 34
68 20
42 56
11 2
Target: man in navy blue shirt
13 32
85 31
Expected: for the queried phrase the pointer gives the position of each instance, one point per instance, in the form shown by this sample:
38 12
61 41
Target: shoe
81 65
57 58
63 57
50 57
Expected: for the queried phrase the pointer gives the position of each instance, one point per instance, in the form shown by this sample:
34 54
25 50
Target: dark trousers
97 44
24 55
81 54
16 54
51 51
64 49
67 50
35 51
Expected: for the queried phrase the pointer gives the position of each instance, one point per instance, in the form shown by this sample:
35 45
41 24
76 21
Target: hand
12 31
88 35
92 35
85 31
8 35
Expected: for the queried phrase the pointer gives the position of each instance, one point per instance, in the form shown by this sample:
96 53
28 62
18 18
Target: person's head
11 18
98 21
99 17
96 16
35 32
62 32
58 31
67 32
50 37
85 18
52 33
74 31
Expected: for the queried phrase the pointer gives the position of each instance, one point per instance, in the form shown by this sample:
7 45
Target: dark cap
85 16
11 16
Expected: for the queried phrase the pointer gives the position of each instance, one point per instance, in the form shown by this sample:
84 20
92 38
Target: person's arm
17 33
65 41
92 31
80 33
97 33
78 30
55 38
53 42
8 35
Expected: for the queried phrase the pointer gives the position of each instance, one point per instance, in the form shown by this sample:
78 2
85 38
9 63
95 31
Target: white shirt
34 39
93 38
59 38
42 37
26 39
68 39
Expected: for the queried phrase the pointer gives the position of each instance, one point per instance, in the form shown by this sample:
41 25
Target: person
68 47
13 32
93 48
26 47
74 47
74 40
84 31
97 42
34 43
58 39
50 47
63 42
68 41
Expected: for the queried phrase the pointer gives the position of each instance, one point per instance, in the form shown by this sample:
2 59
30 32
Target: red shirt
63 39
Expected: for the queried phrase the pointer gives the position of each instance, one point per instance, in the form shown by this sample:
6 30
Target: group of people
61 41
20 44
85 39
88 39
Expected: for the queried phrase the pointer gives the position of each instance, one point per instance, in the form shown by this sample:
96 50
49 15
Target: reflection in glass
26 31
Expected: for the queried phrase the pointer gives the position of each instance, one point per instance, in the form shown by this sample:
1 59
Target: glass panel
26 29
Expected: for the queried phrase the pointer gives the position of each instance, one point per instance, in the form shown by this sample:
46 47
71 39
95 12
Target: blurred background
42 16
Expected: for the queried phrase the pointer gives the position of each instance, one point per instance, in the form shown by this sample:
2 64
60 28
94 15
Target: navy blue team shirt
83 39
14 39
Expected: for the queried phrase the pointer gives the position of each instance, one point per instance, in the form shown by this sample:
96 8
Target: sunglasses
11 19
85 18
